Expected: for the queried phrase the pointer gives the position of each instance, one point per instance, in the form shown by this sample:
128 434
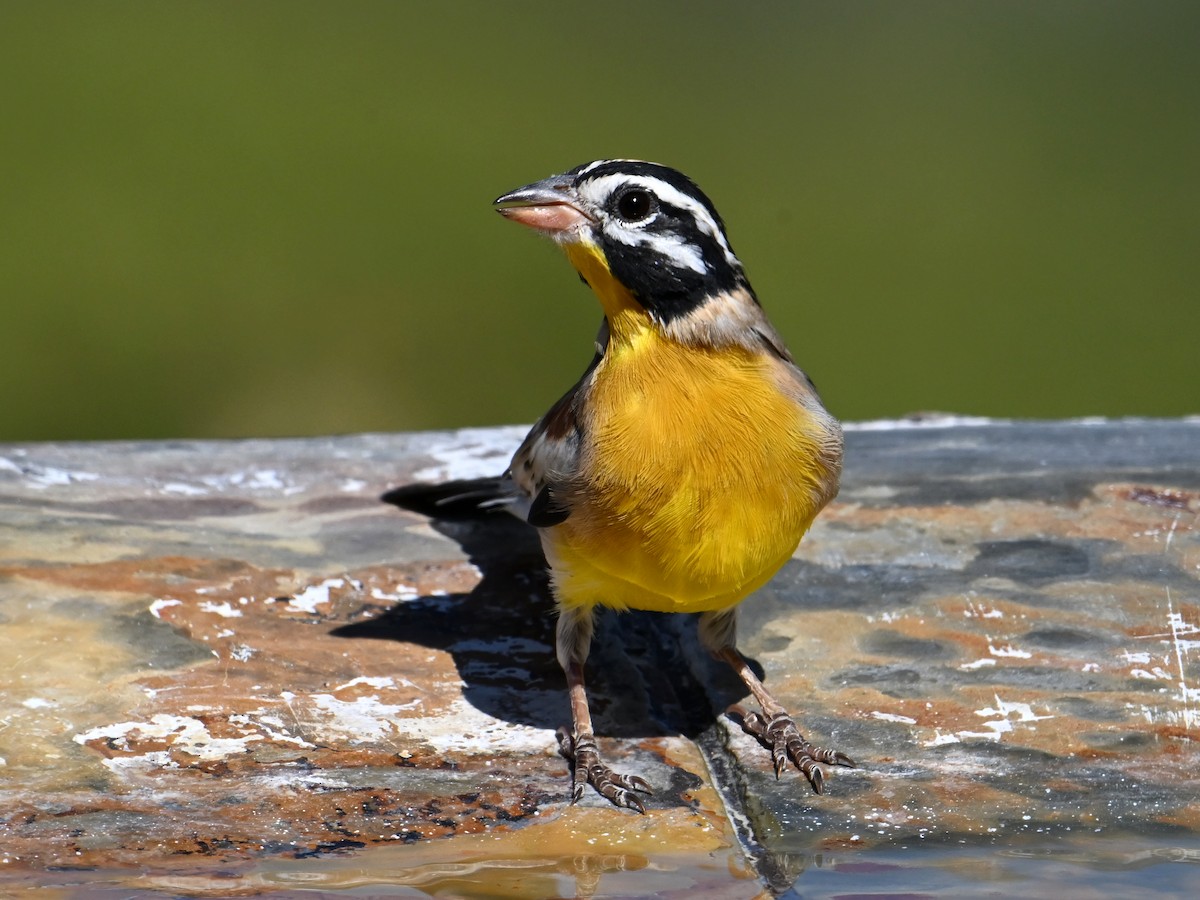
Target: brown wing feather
548 459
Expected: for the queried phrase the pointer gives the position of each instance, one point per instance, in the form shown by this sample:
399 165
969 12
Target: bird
682 469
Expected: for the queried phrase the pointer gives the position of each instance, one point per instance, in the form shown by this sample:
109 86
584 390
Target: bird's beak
550 206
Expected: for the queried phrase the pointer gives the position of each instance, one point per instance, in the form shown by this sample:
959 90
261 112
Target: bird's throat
626 317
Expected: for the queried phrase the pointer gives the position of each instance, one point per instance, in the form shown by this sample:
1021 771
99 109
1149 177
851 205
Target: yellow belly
698 480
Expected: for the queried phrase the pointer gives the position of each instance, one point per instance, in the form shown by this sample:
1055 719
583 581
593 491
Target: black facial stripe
680 222
666 289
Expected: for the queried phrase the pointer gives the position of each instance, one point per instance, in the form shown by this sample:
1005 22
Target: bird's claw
586 768
780 735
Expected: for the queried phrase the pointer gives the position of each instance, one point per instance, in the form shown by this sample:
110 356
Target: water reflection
1077 867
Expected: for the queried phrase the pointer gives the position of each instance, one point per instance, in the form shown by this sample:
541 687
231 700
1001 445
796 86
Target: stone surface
1001 623
232 659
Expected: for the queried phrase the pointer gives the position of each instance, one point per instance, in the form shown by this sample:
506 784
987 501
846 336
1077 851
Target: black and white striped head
659 236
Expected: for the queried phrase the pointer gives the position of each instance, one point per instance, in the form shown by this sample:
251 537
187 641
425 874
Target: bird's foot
780 735
586 768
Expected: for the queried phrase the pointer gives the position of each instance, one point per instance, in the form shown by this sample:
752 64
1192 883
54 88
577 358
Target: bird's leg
573 639
773 727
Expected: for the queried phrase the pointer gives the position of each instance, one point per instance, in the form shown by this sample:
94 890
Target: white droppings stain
982 612
1006 715
187 490
940 739
399 592
352 486
261 479
383 681
274 728
460 727
1156 674
38 703
1005 711
1091 667
359 720
42 477
225 610
472 453
892 717
977 664
183 733
1140 658
313 596
253 480
463 728
51 477
1008 650
158 606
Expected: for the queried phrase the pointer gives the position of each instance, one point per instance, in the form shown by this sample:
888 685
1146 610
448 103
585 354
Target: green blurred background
273 218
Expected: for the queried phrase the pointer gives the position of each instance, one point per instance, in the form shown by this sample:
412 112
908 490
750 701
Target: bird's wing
773 343
545 465
771 340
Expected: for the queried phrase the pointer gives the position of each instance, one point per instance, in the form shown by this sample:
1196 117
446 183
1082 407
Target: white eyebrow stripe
600 189
671 246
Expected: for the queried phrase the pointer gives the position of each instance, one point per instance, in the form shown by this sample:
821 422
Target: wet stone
231 659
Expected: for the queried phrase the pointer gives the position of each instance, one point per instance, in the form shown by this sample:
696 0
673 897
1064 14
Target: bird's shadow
641 672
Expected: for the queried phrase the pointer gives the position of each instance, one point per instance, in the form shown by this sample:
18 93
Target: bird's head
643 236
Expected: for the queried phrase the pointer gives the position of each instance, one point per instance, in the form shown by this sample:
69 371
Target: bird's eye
636 204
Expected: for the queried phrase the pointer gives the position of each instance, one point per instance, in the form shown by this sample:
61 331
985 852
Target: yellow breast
698 478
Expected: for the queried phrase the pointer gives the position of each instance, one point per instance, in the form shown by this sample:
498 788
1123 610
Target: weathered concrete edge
473 451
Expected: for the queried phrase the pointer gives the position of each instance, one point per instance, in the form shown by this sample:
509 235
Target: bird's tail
464 499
